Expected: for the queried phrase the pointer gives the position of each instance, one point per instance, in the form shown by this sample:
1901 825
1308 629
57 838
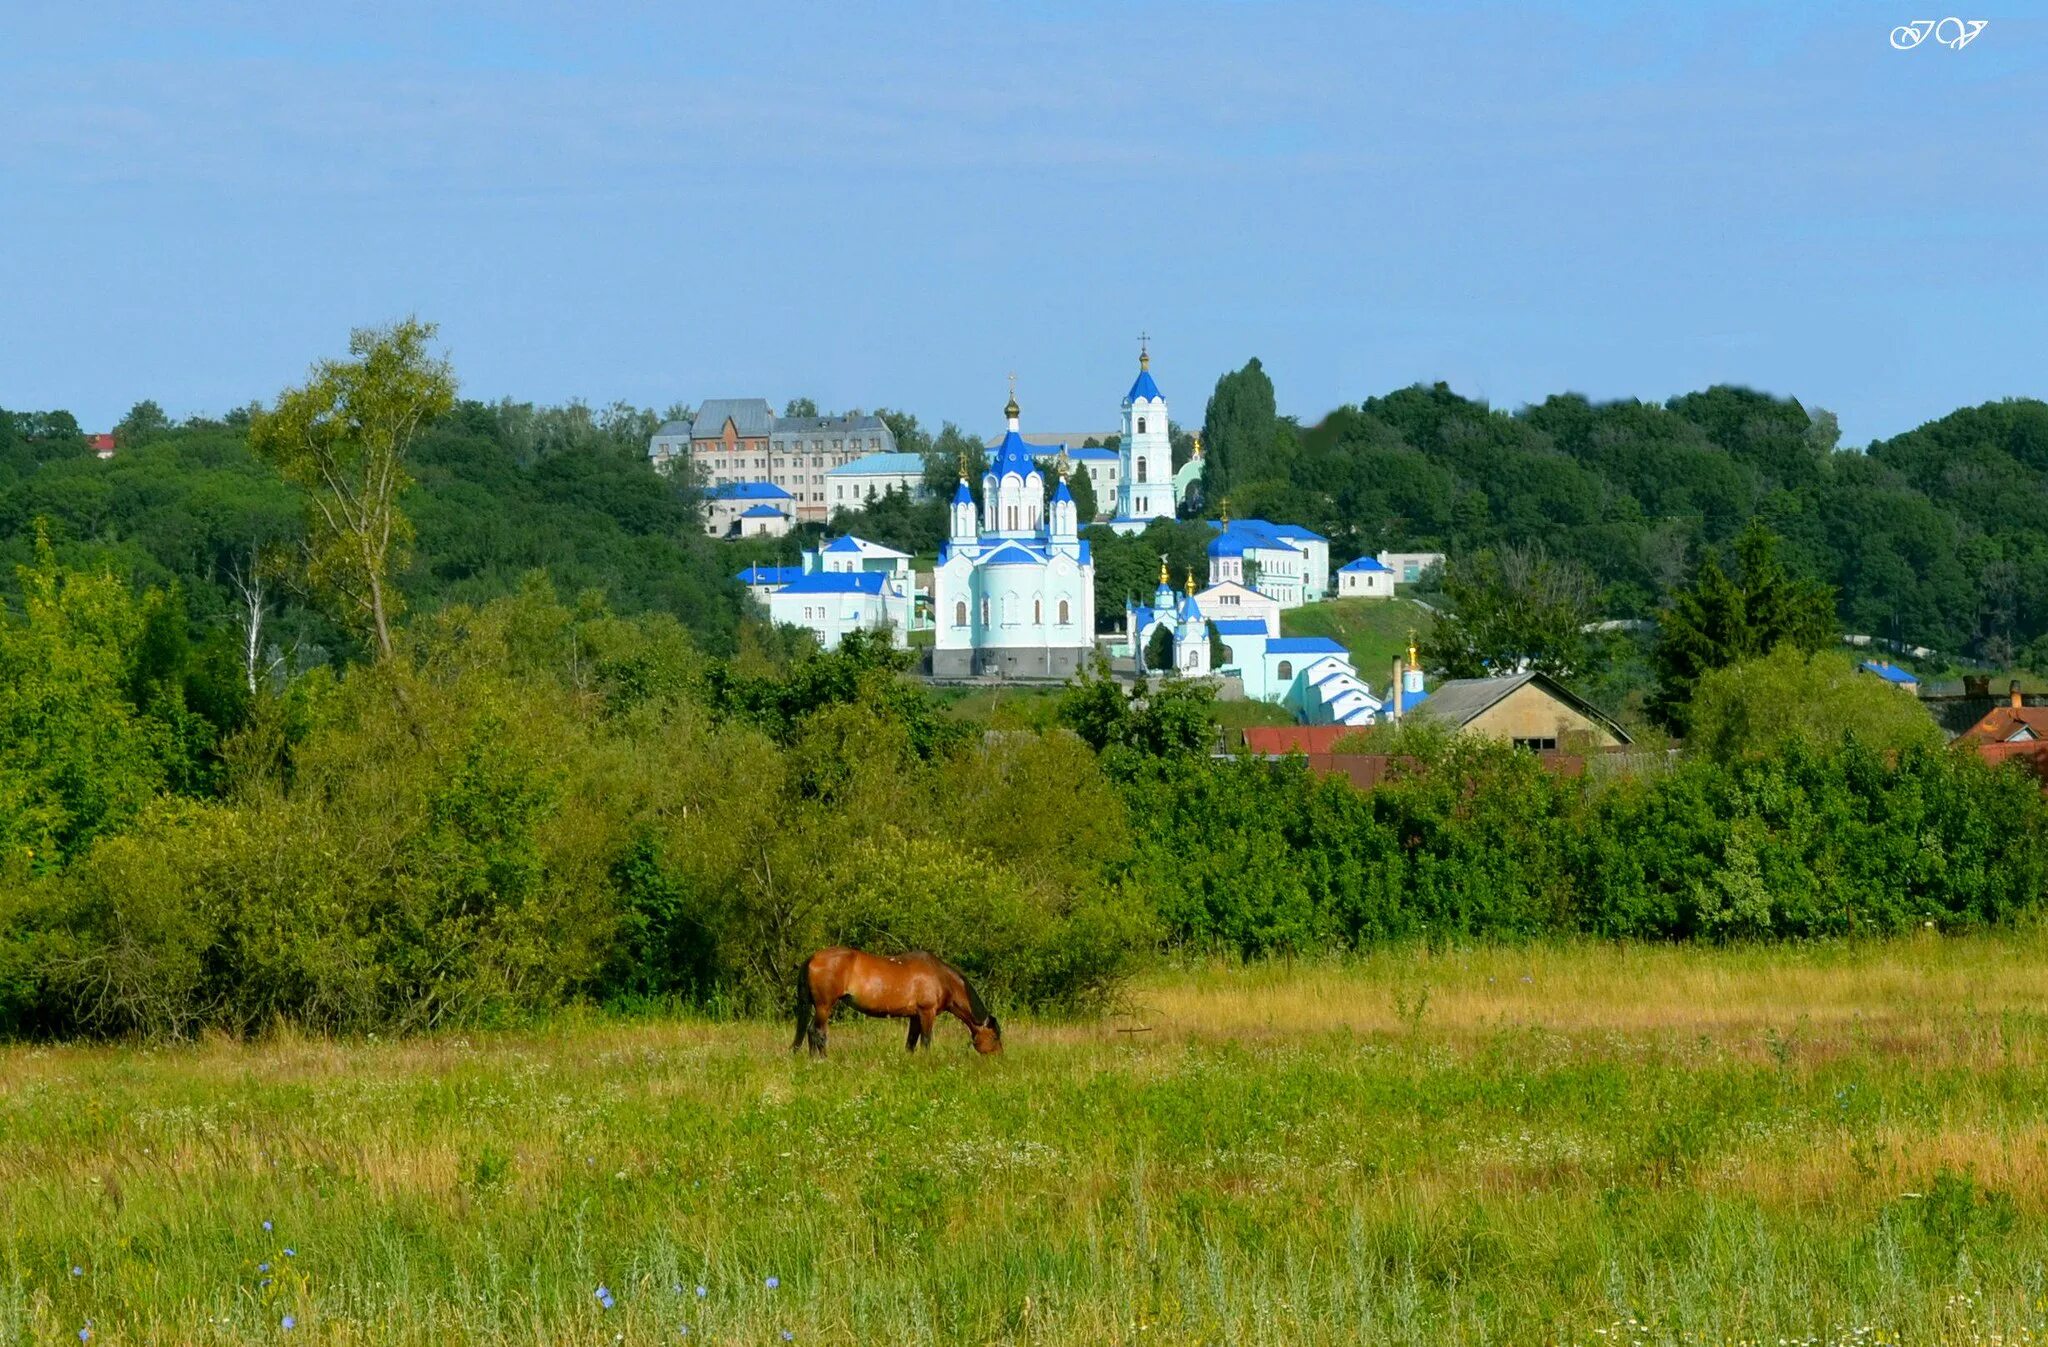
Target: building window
984 611
1065 618
1229 656
1285 671
960 613
1141 425
1542 745
1141 469
1038 612
1013 519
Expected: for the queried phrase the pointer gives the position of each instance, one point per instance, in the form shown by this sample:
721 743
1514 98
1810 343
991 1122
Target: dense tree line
1938 536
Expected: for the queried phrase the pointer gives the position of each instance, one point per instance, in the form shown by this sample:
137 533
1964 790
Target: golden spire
963 465
1062 464
1164 577
1010 409
1144 353
1198 443
1226 512
1191 581
1413 661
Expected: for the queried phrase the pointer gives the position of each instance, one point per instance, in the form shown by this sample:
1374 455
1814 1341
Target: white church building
1013 593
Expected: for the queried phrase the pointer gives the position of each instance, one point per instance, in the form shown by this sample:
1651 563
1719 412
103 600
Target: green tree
950 451
1159 649
82 758
344 437
1238 430
1724 618
1757 707
1513 609
801 407
1081 486
144 422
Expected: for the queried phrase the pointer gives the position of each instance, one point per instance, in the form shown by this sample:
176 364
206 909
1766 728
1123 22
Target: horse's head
988 1036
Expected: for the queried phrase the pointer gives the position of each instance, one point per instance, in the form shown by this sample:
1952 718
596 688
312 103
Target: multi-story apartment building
743 440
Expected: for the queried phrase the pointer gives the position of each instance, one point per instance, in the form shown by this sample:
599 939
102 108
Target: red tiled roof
2001 723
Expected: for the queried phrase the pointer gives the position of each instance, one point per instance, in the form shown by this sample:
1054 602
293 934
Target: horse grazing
913 986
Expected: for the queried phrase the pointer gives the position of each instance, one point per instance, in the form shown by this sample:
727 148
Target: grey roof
1460 701
749 416
828 425
1062 439
674 428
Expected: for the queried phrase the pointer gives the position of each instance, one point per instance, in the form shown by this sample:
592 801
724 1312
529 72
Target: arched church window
1194 658
960 613
1229 655
1013 519
1286 669
1141 469
1038 612
1141 425
984 612
1064 617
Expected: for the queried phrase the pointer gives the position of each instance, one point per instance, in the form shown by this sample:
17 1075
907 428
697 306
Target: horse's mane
974 1005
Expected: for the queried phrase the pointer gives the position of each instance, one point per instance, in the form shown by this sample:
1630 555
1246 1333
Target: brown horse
913 986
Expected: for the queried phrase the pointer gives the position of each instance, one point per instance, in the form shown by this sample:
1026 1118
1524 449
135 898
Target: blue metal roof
871 465
749 491
1143 388
1890 673
1239 626
768 575
1093 455
849 543
1365 564
1188 606
836 582
1061 493
1015 554
961 494
1304 645
760 512
1018 455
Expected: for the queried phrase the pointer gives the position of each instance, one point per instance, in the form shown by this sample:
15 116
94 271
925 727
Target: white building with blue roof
1013 593
873 476
1285 561
1182 617
1146 492
748 510
1365 578
845 584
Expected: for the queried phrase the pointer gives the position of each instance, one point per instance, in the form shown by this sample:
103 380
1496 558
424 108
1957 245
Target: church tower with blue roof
1145 489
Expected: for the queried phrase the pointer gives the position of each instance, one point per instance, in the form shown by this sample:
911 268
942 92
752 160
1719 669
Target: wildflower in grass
85 1334
603 1296
263 1267
77 1271
774 1282
289 1323
701 1293
264 1284
788 1336
291 1253
266 1225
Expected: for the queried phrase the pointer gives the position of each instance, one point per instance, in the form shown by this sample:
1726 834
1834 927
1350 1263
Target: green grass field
1373 630
1585 1144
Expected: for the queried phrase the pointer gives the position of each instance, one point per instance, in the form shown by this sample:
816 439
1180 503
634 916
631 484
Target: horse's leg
820 1017
911 1045
925 1019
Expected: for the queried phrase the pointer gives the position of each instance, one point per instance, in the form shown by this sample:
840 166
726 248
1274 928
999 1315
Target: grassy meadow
1373 630
1571 1144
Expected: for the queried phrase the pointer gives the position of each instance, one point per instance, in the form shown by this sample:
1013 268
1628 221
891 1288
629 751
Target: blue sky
899 203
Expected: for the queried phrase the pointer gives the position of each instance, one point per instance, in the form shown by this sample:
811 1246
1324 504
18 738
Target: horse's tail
806 1004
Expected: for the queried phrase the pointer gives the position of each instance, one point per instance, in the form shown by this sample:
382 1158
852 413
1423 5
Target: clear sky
898 203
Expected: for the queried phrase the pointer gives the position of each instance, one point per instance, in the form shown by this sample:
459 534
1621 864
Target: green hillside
1373 630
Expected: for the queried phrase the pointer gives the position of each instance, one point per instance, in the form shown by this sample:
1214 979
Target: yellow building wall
1531 713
